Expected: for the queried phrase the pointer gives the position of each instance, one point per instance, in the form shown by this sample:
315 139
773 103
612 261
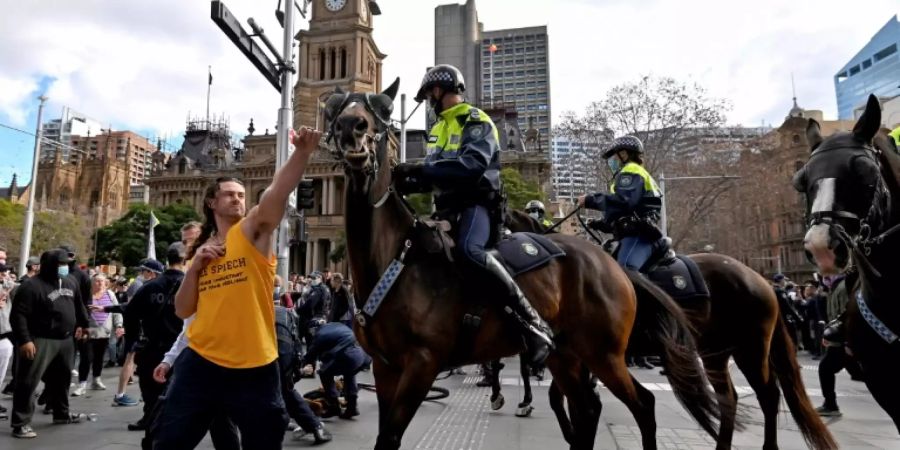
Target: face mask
316 282
534 215
614 164
62 271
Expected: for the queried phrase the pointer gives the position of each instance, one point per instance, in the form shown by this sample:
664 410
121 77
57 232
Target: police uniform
335 346
462 167
631 208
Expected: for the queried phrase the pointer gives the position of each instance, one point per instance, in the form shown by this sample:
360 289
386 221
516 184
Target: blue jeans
474 233
200 391
634 252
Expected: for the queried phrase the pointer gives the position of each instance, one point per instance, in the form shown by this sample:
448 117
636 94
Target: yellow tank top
235 319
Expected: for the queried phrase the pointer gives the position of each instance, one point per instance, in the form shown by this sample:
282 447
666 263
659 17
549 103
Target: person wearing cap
340 354
80 276
632 206
315 304
47 313
463 168
151 314
32 266
150 269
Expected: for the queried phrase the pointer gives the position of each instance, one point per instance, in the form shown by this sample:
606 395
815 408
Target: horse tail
784 364
668 327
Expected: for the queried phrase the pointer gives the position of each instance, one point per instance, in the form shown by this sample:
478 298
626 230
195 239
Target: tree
125 240
518 190
668 116
51 229
421 203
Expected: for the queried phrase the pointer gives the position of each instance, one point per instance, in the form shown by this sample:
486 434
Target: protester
6 346
335 346
232 346
836 358
342 306
102 326
47 312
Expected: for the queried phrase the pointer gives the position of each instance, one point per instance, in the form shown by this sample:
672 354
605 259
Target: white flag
151 243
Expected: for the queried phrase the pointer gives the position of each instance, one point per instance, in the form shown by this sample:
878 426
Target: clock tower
336 51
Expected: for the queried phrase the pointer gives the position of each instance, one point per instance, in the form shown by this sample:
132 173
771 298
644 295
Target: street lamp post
285 119
664 220
29 210
404 118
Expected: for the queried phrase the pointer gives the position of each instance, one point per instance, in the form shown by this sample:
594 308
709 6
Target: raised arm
265 217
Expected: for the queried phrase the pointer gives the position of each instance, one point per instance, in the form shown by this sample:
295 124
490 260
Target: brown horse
852 187
587 299
741 319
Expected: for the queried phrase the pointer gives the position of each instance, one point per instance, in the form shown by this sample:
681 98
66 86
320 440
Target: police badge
529 249
625 180
679 282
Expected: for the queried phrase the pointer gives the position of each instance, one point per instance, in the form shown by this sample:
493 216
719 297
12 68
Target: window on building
509 74
530 60
529 48
796 139
343 63
542 71
866 64
519 38
520 61
854 70
542 59
887 51
322 64
520 73
333 67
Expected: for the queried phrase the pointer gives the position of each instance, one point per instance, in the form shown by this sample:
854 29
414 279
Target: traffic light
306 194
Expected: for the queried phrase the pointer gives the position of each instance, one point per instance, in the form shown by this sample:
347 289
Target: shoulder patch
626 180
432 139
476 132
475 114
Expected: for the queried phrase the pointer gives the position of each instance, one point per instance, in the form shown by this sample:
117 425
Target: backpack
287 331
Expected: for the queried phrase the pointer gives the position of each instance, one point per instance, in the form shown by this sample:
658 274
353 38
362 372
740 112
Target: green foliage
339 252
125 240
422 203
518 190
51 229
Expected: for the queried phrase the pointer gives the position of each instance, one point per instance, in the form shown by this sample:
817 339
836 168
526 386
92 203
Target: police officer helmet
630 144
535 205
443 75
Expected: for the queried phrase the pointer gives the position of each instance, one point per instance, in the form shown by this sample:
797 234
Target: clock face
335 5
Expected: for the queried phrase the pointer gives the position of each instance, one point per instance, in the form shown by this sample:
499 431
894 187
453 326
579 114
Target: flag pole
208 88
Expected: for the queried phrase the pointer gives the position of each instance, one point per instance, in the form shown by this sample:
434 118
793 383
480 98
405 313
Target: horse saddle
524 252
434 237
680 277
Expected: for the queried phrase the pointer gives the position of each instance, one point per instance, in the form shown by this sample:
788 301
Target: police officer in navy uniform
463 168
632 206
336 347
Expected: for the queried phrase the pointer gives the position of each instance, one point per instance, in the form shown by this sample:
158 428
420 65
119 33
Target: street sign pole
29 210
285 124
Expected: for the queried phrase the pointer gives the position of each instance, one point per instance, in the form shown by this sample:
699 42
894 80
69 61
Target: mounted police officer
632 206
535 209
463 168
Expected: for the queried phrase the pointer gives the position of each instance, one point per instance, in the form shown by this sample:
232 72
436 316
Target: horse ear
870 121
391 91
813 134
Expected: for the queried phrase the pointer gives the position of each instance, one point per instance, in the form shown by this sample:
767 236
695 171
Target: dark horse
741 319
587 299
852 187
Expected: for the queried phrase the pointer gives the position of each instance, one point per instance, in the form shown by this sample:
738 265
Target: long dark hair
209 218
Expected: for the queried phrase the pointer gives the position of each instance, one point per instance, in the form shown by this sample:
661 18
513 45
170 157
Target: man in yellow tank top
230 364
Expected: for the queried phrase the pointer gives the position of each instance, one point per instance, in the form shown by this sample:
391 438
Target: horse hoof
524 411
498 402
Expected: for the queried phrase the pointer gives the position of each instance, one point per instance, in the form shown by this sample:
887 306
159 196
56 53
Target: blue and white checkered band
438 76
382 288
889 336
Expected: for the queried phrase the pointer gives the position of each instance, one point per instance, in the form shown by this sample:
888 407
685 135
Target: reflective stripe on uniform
650 187
447 133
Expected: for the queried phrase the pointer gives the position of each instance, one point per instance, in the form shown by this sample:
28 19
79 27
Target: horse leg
640 401
755 366
716 367
585 413
497 400
525 407
555 396
413 383
386 379
881 381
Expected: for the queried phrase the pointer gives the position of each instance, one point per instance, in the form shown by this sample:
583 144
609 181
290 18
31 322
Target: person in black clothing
151 314
342 307
314 305
785 304
47 313
81 277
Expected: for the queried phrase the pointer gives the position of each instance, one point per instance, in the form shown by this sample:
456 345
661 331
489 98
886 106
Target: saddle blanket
524 252
680 278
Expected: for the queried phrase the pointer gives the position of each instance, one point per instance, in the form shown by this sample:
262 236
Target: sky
142 65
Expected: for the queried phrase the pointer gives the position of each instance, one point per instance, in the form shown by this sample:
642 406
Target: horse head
359 125
847 198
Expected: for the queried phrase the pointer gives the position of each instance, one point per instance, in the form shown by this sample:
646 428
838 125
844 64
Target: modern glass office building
874 70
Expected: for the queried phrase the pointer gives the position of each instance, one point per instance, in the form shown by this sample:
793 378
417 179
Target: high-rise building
60 131
573 175
124 145
503 69
873 70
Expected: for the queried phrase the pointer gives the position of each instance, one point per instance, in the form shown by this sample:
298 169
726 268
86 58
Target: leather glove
407 170
409 179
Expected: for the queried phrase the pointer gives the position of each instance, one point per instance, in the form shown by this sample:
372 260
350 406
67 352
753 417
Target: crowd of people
813 314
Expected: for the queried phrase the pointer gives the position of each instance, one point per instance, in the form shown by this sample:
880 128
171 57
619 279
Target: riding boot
538 336
350 410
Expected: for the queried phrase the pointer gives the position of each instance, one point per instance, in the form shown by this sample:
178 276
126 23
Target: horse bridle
879 211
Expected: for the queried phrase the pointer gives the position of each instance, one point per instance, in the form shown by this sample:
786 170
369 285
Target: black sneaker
70 418
137 426
24 432
827 411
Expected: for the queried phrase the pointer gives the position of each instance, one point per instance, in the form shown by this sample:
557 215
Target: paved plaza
464 421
